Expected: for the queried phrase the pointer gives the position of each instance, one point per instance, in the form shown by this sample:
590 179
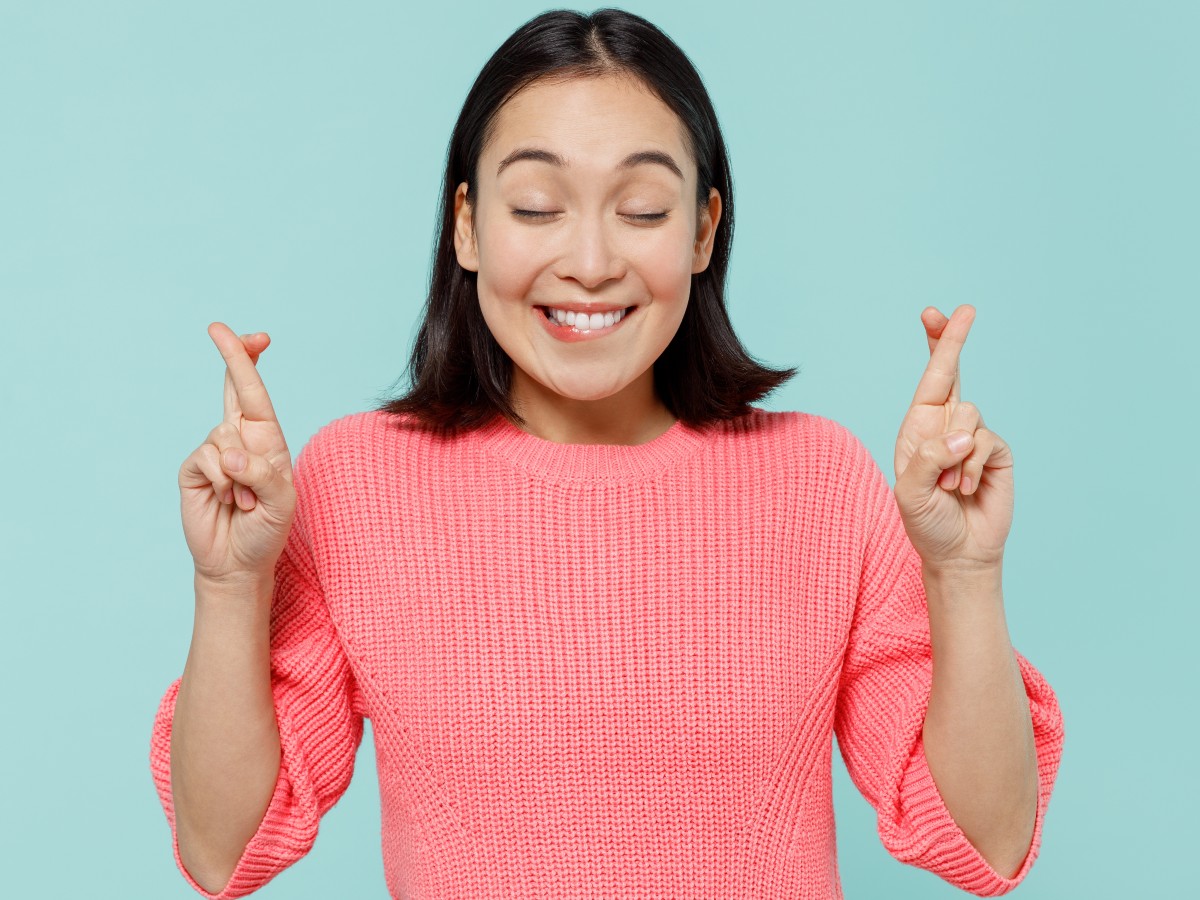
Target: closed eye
535 214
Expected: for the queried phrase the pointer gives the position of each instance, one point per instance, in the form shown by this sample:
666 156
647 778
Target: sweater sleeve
886 679
320 723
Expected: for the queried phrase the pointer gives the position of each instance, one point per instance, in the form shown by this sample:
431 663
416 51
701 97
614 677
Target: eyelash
531 214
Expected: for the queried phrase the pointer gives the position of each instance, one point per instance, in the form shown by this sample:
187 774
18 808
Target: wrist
964 573
238 586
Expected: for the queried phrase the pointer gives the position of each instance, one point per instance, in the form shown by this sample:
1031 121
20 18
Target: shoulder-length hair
460 377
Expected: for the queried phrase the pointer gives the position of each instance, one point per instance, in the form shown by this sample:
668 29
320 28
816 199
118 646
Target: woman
604 613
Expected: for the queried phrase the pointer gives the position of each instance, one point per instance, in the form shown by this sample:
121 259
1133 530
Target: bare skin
957 505
589 232
225 749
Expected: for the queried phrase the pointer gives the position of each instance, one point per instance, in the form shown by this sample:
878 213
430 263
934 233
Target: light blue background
276 166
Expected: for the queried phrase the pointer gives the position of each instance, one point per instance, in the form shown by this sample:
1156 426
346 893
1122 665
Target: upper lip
587 308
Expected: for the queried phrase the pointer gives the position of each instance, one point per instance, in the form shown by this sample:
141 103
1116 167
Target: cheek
508 266
665 263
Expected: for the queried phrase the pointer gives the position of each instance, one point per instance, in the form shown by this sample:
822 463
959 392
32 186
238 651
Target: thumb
257 473
932 458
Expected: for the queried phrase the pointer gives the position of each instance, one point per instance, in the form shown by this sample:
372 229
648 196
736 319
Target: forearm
225 749
978 734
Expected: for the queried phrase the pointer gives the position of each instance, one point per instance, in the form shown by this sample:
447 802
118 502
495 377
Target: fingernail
958 441
235 460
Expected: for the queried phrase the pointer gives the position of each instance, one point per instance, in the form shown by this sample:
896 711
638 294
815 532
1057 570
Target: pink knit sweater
605 671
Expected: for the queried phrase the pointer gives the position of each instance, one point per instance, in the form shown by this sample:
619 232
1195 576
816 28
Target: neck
633 415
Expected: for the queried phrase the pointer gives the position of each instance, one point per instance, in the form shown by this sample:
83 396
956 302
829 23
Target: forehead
588 123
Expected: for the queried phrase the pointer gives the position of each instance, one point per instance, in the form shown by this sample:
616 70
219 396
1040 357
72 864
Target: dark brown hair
459 375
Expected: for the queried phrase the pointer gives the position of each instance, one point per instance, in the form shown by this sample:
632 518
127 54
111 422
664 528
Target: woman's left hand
956 504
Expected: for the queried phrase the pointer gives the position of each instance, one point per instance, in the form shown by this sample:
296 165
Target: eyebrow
641 157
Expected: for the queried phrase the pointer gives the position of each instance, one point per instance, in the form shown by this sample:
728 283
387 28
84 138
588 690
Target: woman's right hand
236 521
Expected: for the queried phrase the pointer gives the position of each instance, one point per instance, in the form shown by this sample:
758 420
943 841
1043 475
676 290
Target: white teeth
584 322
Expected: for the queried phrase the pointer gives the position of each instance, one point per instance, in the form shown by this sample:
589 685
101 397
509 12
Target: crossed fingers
941 384
245 394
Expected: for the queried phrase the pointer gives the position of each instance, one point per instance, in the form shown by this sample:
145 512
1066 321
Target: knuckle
208 454
230 436
203 462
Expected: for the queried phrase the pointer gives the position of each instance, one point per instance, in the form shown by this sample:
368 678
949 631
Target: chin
585 390
586 396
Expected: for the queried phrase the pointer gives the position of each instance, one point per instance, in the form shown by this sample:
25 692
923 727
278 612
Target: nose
592 256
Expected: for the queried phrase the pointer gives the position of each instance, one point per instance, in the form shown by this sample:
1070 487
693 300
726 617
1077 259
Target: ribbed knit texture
605 671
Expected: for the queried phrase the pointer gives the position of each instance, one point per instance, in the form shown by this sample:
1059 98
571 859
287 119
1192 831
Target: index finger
252 400
935 324
940 382
233 409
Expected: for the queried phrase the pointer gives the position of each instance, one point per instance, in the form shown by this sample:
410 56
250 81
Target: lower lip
570 334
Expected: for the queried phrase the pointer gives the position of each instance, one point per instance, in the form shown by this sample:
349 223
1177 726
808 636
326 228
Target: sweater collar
549 460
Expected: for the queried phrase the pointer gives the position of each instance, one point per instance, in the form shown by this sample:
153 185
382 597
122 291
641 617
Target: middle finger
934 321
233 408
236 377
940 382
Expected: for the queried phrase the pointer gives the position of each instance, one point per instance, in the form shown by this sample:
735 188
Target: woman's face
614 234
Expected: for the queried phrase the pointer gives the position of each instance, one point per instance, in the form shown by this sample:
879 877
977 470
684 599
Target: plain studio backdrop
276 166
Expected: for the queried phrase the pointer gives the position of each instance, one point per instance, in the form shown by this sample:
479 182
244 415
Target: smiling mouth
583 323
